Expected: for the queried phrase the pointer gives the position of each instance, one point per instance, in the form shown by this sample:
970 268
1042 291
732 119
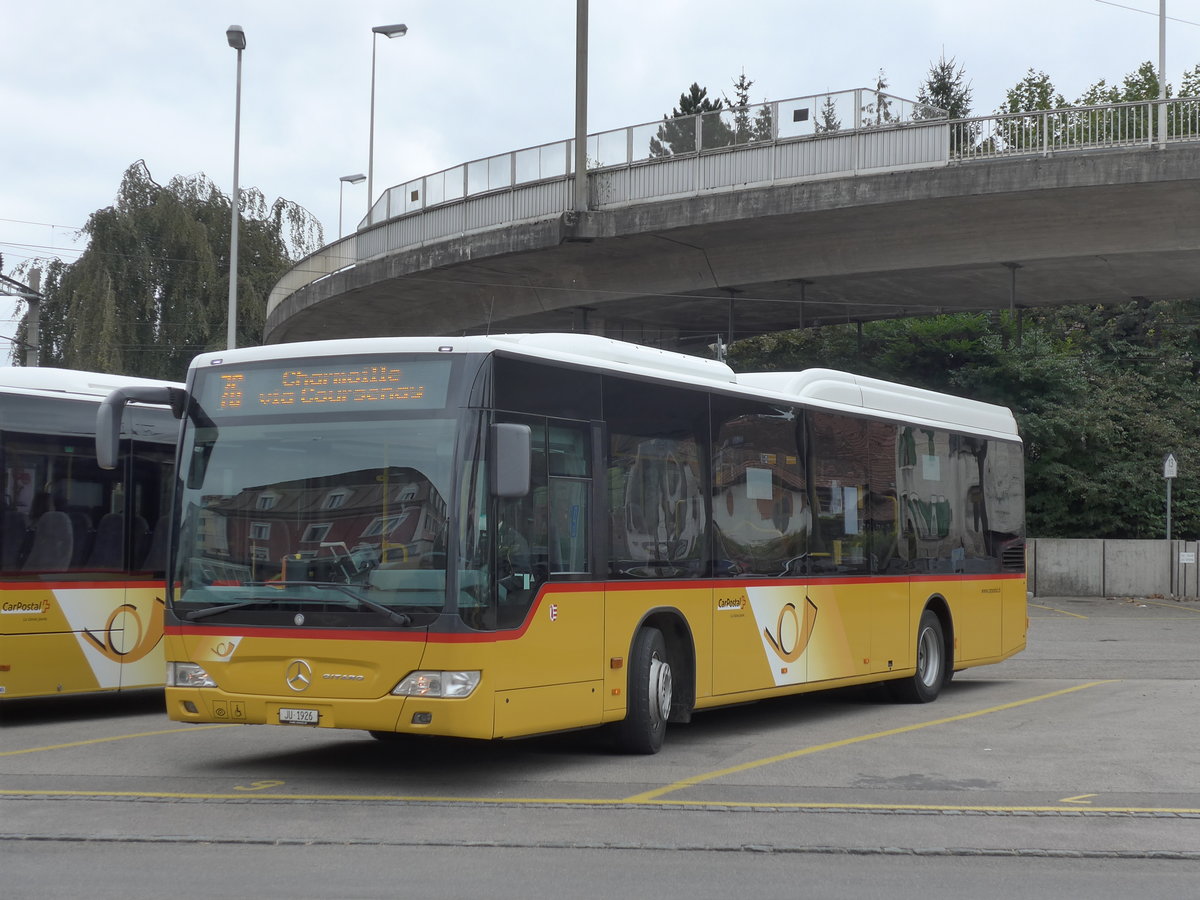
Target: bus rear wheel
649 695
926 684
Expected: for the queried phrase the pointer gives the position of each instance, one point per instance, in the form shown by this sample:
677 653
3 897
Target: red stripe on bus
77 585
512 634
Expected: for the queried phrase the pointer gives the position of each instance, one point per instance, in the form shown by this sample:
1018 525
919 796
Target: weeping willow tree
151 289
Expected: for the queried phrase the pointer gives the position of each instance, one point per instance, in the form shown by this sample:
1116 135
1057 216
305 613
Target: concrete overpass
884 220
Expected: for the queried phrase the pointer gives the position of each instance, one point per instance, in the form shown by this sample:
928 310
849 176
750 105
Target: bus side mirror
511 459
108 416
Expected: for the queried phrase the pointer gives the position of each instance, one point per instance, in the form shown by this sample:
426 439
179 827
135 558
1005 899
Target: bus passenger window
657 508
762 509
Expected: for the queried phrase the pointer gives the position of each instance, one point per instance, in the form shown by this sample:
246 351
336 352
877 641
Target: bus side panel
794 634
555 707
562 641
893 629
975 608
79 639
988 615
40 665
760 637
1015 615
545 677
626 607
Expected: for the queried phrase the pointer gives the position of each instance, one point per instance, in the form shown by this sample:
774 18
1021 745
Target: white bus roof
92 385
823 388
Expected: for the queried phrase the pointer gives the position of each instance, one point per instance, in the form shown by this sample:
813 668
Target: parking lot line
1055 609
1180 606
833 745
117 737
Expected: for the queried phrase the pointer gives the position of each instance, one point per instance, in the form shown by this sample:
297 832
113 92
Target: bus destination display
346 386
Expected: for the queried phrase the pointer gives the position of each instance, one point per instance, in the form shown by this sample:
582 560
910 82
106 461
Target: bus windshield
343 522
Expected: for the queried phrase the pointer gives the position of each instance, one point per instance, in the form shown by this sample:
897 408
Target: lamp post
1162 87
388 31
237 40
581 71
346 179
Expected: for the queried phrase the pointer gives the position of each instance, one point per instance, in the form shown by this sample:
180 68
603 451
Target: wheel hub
660 688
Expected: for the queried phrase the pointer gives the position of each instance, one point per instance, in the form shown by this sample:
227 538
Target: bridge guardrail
798 139
1045 132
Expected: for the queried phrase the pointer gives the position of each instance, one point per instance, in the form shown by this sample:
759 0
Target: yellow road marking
1055 609
258 785
833 745
105 740
586 801
1169 605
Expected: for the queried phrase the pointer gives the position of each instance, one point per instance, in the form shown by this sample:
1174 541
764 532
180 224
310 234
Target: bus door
547 595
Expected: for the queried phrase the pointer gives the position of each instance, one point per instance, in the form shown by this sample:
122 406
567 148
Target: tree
945 89
150 291
1032 93
677 133
746 129
879 110
828 119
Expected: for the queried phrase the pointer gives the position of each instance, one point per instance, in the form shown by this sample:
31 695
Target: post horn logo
125 638
792 631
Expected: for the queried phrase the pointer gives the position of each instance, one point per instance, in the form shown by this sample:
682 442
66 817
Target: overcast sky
87 87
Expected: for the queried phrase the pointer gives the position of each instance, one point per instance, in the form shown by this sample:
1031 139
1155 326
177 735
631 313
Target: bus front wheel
649 695
926 684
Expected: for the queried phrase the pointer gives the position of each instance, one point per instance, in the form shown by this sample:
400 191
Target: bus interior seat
53 544
155 559
82 537
109 544
14 531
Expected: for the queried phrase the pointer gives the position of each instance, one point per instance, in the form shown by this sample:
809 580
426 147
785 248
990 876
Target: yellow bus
82 550
495 537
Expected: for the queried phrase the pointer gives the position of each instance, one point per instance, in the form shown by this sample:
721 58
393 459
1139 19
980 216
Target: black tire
926 684
388 735
649 695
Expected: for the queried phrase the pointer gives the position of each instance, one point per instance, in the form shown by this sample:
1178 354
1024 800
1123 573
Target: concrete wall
1098 568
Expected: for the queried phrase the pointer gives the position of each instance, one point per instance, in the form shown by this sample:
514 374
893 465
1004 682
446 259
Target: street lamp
237 40
388 31
346 179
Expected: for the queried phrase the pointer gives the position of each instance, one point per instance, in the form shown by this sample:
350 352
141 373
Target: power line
1148 12
43 224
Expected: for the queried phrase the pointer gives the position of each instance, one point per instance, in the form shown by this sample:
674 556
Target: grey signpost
1170 471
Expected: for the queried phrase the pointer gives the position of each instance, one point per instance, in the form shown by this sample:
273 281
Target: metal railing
721 130
1045 132
837 134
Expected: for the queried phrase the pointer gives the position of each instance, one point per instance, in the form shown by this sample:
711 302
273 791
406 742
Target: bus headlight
437 684
186 674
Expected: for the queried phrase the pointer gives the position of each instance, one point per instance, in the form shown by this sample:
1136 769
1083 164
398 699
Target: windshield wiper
391 615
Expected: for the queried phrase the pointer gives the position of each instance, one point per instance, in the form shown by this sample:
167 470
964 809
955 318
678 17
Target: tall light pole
388 31
581 72
1162 76
346 179
237 40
